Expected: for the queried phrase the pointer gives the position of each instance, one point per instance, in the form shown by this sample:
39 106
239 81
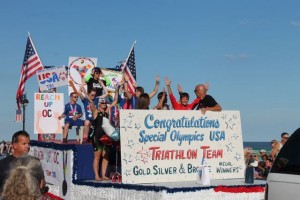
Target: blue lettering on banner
159 137
176 136
183 122
138 172
48 104
224 170
191 169
47 78
164 171
217 135
50 86
225 164
156 170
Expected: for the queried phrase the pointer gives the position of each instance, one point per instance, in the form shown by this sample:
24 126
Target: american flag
19 115
129 68
31 64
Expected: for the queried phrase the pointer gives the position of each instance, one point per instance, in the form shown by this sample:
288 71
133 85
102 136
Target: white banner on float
168 146
57 164
52 78
47 108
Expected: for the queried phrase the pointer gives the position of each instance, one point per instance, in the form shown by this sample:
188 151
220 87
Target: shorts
71 122
97 144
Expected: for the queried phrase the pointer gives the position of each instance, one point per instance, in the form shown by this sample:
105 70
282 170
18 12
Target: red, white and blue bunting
88 189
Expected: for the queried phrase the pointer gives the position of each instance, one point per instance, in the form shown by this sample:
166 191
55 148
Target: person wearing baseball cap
96 82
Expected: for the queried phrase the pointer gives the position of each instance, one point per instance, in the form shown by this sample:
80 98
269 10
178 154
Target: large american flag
31 64
129 68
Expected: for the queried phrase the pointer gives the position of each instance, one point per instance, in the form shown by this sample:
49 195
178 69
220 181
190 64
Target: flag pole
125 62
23 77
130 51
35 50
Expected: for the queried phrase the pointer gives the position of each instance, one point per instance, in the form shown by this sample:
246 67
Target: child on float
162 101
134 98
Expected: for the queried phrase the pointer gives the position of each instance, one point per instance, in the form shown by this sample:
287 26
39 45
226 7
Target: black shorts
97 144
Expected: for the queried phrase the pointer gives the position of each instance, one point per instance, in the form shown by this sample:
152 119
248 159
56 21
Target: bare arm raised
153 93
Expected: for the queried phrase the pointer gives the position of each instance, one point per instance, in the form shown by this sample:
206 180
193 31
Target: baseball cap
102 100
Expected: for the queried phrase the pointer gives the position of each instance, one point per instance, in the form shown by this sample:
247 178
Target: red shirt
179 106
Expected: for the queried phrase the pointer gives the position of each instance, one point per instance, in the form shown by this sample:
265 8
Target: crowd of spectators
263 161
5 148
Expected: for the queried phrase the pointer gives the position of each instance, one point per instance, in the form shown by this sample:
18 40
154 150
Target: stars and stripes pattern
31 64
19 117
129 68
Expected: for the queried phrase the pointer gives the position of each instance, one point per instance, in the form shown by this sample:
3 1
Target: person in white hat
101 150
263 153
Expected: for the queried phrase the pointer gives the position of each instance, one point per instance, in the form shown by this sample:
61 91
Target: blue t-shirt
124 103
72 110
87 108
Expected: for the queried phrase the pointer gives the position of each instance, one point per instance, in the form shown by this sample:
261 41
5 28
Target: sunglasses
75 97
285 138
102 103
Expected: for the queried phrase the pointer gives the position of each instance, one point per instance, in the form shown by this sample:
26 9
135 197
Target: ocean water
258 145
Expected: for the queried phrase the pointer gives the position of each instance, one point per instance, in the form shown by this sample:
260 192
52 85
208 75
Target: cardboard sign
52 78
115 77
47 108
168 146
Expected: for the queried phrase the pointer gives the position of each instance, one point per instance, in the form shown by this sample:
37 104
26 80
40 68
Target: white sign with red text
169 146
